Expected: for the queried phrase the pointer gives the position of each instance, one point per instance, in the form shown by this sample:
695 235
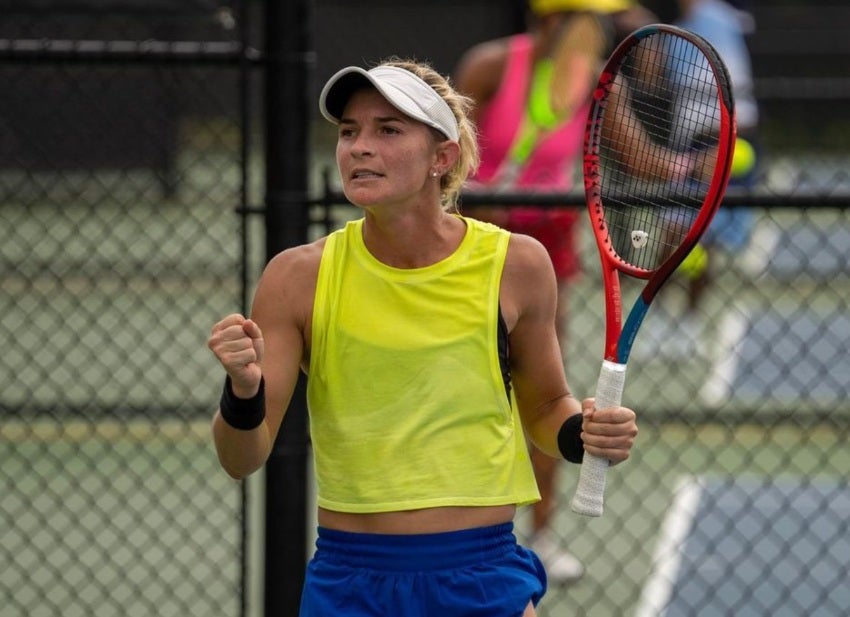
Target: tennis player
416 327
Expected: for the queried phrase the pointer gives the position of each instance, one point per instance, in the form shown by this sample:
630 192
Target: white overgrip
590 492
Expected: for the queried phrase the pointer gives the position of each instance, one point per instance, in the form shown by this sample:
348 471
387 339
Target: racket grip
590 492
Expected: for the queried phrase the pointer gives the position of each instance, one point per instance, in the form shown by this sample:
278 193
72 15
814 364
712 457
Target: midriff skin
429 520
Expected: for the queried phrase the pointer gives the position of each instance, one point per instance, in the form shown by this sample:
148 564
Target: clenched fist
237 342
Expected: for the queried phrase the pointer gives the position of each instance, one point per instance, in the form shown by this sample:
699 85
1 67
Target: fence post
288 65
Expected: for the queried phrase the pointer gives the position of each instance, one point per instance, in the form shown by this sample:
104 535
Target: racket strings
656 162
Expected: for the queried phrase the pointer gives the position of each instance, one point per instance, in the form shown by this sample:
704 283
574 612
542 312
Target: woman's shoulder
301 255
286 288
484 55
529 287
295 267
526 252
479 71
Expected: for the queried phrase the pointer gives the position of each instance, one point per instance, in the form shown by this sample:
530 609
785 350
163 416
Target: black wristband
243 413
569 439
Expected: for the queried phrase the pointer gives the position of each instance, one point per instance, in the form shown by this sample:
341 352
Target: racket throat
630 329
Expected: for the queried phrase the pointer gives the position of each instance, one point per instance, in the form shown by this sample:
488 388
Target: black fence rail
121 163
132 163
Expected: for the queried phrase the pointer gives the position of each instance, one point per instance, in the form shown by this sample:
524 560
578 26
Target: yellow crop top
407 403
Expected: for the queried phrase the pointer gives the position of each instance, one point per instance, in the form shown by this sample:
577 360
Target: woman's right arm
271 345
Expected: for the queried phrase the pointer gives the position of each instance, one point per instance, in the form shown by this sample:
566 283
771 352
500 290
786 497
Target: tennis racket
657 154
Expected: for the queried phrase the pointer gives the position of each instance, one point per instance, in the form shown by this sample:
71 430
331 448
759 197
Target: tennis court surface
752 547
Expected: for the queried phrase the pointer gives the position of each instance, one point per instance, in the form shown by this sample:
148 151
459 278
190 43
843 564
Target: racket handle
590 493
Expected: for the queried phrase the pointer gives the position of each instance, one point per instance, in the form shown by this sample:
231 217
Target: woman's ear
448 153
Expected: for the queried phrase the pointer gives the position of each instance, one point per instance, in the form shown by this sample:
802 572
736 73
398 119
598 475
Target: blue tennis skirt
480 572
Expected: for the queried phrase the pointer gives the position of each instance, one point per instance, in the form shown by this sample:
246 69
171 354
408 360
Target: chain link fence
120 175
122 166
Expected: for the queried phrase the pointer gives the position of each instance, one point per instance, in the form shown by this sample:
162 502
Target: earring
433 174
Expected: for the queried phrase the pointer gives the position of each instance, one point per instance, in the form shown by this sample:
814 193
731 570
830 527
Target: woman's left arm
529 302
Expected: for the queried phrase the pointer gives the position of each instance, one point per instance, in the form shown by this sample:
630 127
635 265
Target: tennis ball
695 263
743 158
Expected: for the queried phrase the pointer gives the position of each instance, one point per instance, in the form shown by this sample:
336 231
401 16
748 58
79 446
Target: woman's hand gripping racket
657 152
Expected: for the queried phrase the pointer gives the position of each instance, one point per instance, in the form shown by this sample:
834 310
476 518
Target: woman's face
383 155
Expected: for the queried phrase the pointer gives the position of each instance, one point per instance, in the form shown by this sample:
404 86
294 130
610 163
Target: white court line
718 387
668 552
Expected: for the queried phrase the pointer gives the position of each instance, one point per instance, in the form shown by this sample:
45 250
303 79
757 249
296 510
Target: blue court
760 338
752 547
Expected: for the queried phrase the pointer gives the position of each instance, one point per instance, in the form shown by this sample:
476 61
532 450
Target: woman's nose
362 145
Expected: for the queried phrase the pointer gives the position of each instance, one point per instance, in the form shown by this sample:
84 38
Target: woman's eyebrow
377 119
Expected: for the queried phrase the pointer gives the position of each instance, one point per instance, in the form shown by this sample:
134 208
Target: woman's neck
413 241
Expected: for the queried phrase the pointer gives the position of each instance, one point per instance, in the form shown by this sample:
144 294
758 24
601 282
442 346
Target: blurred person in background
725 24
429 343
531 93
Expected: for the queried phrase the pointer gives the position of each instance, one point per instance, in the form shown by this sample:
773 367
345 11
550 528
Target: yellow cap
545 7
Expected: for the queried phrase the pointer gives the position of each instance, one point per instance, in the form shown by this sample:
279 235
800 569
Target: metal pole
287 93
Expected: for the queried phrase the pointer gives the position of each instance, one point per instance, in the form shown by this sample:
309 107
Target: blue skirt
468 573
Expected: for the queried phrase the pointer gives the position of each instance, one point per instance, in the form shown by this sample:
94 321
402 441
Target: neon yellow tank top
407 404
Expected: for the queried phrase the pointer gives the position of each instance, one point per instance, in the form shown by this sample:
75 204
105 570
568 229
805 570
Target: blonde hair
451 183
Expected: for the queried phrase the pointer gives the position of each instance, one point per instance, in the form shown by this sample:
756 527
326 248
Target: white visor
402 89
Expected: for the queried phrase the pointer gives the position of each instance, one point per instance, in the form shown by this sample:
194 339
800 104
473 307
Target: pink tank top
550 166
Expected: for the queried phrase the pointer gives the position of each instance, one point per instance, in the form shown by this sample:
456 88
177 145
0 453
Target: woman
415 327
